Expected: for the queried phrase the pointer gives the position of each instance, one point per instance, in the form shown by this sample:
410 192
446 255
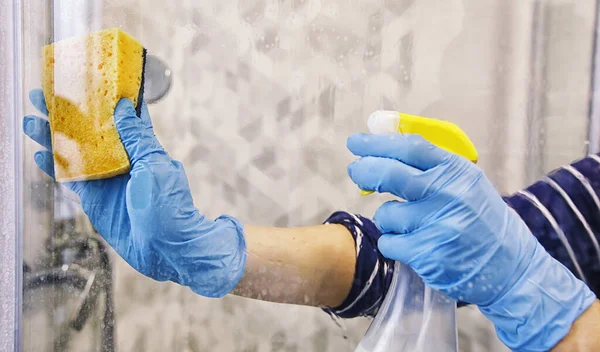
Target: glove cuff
217 281
539 309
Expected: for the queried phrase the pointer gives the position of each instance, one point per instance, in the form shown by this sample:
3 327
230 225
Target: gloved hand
148 216
458 234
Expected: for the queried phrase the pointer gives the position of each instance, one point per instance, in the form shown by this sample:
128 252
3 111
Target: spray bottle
414 317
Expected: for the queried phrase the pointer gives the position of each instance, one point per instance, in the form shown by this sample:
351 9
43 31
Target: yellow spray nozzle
443 134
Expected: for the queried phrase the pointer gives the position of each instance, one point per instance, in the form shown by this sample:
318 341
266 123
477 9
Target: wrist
541 305
582 336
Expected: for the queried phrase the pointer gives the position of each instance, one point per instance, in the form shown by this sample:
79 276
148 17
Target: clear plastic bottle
413 317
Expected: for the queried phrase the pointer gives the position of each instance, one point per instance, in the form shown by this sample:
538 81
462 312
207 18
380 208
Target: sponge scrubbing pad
83 80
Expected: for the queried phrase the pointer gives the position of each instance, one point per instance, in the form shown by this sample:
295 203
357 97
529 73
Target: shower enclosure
256 98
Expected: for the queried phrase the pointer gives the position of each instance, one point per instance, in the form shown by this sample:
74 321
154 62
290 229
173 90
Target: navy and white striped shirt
562 211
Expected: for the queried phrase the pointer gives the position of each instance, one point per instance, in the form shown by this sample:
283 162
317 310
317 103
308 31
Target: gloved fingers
387 175
38 129
145 115
396 247
36 97
412 150
400 217
418 248
139 141
404 217
44 160
125 109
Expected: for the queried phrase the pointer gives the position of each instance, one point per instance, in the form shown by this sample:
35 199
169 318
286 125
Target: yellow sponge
83 80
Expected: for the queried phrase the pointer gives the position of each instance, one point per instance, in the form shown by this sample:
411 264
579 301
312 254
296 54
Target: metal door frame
594 111
10 176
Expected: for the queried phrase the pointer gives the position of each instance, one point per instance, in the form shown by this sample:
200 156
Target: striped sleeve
562 211
373 272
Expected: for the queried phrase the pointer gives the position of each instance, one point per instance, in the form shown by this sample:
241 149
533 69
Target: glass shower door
257 98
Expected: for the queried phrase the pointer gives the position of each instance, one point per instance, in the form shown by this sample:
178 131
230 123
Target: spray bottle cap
443 134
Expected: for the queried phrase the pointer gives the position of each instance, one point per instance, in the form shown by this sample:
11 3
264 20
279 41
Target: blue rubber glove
458 234
148 216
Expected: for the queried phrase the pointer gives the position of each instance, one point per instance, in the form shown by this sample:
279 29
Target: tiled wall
265 93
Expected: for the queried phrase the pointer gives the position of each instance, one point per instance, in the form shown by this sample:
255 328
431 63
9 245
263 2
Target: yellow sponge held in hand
83 80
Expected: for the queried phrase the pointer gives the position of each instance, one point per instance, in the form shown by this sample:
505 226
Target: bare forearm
584 335
307 265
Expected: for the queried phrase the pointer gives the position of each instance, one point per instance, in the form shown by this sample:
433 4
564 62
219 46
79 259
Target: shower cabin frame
594 111
10 177
11 157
